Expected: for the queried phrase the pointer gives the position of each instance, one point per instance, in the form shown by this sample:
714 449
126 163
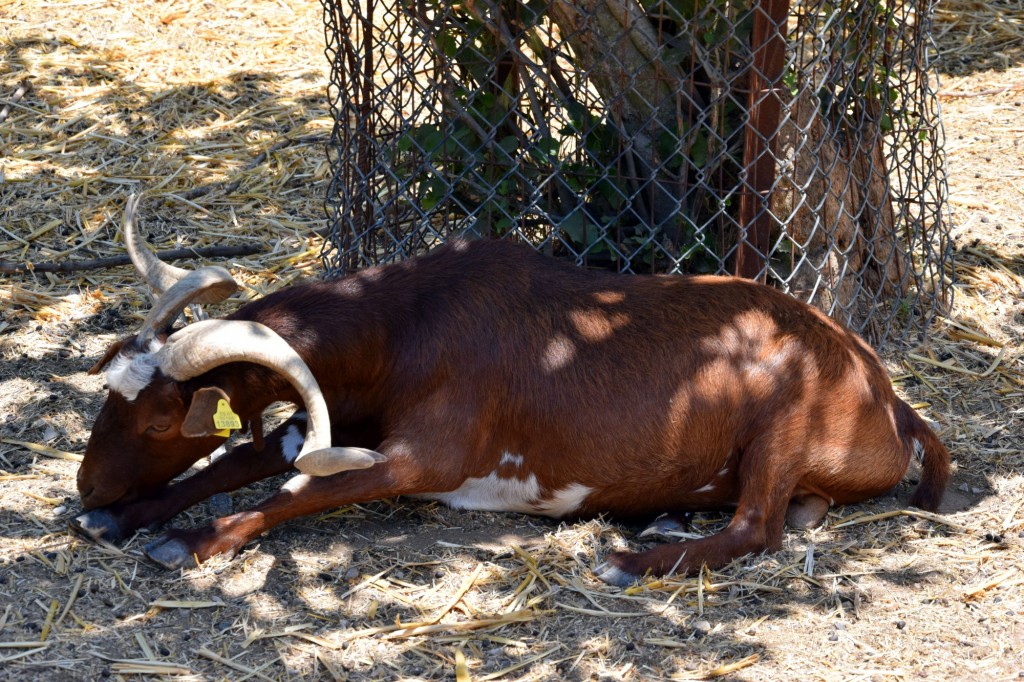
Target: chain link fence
794 142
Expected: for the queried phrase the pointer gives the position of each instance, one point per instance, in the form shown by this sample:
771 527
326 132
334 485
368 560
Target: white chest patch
511 459
494 493
291 443
565 501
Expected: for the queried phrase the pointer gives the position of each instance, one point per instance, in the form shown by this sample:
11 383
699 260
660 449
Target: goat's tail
930 452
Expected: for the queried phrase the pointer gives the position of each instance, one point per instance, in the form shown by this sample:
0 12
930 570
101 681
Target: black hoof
613 575
97 524
220 505
671 527
169 553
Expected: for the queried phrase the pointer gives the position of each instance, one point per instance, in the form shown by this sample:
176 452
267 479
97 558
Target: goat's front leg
300 496
240 467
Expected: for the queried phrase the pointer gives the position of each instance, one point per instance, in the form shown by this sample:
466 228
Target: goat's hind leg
766 486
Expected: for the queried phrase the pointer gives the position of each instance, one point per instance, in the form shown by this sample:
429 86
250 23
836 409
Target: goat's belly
511 487
645 497
525 495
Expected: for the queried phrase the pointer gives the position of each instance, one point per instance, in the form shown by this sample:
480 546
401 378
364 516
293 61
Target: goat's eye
159 428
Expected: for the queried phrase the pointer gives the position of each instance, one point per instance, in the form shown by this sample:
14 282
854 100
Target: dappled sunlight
987 302
73 307
746 330
558 354
95 124
597 325
246 575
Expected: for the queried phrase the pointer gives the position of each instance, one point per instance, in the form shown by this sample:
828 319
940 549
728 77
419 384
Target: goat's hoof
219 504
97 524
169 553
671 527
613 575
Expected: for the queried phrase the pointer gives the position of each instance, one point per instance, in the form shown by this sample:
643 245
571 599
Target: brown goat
490 377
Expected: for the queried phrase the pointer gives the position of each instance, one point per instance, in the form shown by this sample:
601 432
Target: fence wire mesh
795 142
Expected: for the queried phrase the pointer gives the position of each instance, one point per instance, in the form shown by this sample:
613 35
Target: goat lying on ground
493 378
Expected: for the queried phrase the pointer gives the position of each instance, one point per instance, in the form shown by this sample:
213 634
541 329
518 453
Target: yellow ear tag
225 419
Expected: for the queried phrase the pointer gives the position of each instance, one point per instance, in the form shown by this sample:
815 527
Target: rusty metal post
768 45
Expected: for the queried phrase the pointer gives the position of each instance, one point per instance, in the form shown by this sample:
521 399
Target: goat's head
153 425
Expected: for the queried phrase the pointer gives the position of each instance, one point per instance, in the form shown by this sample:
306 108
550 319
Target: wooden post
768 45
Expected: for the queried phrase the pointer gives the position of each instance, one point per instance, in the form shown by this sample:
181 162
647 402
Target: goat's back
517 352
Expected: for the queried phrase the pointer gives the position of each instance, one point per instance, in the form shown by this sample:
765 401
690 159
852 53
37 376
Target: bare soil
179 95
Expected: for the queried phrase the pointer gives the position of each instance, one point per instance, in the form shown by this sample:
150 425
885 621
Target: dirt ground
183 96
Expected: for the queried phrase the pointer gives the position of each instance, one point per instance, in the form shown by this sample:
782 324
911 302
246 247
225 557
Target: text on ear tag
225 418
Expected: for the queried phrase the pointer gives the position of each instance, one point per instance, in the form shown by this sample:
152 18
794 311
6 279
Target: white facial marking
558 354
129 374
493 493
724 471
706 489
291 443
512 459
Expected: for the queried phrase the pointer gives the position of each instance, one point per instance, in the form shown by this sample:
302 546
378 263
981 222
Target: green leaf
687 9
435 190
448 44
575 227
509 144
699 150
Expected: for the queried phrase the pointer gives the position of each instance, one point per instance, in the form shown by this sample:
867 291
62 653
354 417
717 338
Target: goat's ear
199 420
114 349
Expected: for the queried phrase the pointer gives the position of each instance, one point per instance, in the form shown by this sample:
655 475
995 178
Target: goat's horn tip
328 461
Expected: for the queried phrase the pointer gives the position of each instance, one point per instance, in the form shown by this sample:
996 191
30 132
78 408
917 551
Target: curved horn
160 276
209 284
173 287
202 346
